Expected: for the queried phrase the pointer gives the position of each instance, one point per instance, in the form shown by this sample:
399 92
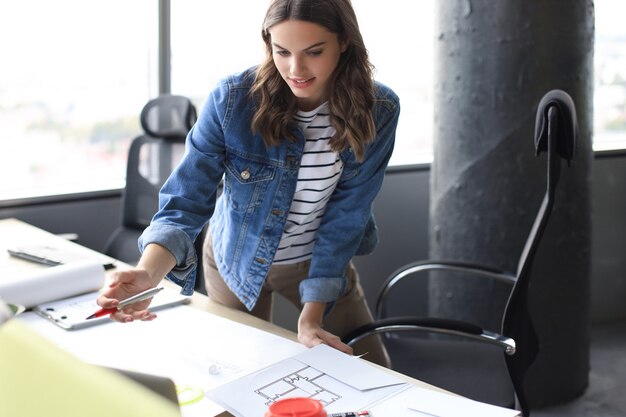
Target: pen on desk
363 413
131 300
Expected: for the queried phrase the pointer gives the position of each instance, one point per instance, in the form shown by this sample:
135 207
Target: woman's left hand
310 332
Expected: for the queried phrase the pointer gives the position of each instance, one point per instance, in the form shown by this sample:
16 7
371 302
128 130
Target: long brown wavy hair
351 85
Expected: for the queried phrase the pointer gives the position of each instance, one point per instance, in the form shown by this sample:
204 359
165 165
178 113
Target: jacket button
245 174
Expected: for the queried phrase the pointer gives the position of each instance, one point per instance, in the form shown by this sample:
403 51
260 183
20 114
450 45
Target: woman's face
305 54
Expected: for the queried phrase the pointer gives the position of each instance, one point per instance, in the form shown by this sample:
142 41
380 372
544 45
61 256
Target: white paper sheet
348 369
52 283
197 350
420 402
252 394
445 405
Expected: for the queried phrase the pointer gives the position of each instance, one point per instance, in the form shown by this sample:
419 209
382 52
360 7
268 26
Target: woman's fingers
129 315
322 336
335 342
123 285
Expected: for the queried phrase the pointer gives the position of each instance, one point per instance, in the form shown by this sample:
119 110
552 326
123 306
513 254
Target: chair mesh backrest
166 120
168 117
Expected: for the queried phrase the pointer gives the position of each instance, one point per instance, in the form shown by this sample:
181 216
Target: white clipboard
71 313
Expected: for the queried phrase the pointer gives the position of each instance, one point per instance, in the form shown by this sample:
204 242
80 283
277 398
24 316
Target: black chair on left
152 156
463 357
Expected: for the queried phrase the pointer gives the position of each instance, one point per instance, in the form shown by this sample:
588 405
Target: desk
14 233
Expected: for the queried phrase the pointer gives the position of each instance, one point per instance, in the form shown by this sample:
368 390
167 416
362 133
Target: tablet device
71 313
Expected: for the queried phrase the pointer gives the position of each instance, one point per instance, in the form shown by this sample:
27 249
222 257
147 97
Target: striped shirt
319 173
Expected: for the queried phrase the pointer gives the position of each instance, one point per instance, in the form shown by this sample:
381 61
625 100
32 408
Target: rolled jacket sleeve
325 290
181 246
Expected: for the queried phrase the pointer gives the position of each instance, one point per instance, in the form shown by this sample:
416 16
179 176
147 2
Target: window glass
75 76
400 37
212 39
201 56
610 75
208 44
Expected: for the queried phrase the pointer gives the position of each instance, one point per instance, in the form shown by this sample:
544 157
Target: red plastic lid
296 407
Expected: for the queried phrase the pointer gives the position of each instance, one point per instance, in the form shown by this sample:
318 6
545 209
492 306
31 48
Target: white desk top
14 233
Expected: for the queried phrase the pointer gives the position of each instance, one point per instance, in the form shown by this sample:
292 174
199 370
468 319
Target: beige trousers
350 311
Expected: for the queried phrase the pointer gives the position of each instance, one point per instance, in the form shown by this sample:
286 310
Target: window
609 102
408 70
206 46
75 76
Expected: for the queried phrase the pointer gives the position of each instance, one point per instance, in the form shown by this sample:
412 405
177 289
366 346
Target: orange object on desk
296 407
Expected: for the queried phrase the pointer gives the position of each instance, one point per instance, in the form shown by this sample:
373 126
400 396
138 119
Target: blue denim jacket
247 220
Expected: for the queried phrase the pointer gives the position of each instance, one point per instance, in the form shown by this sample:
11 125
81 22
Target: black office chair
463 357
166 120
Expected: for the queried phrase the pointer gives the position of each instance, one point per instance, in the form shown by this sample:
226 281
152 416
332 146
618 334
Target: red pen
131 300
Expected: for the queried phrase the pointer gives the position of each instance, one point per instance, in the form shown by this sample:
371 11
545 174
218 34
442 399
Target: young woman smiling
301 142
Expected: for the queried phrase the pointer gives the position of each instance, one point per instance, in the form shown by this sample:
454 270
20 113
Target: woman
302 142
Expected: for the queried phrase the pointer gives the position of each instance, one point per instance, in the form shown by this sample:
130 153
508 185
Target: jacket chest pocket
246 182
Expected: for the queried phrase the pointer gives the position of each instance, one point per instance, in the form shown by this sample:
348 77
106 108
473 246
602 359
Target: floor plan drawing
338 381
305 382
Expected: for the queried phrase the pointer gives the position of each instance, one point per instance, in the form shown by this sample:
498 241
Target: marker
123 304
363 413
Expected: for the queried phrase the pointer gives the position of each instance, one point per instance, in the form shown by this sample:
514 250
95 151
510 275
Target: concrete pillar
495 60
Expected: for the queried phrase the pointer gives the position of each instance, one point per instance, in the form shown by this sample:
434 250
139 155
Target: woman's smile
301 82
306 55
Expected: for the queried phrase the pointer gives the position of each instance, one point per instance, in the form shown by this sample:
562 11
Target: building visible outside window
75 75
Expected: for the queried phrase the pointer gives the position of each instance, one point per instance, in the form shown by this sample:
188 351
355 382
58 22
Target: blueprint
251 394
305 382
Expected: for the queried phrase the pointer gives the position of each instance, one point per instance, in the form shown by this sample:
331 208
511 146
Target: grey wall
608 266
93 217
402 214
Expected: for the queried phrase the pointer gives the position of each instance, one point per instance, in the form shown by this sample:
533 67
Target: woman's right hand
124 284
155 263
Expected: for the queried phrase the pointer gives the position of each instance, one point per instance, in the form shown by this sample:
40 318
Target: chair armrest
440 265
431 325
